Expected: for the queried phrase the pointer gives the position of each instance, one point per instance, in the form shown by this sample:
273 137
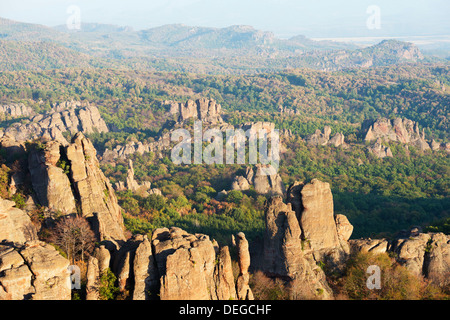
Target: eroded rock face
15 110
223 276
34 271
73 117
323 138
63 176
379 150
146 279
423 254
261 180
242 287
186 266
50 183
202 109
93 279
402 130
287 255
96 195
426 254
15 224
317 215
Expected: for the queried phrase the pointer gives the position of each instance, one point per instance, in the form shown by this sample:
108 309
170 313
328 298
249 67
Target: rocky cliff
202 109
33 271
67 179
261 182
14 111
302 233
177 265
323 138
69 117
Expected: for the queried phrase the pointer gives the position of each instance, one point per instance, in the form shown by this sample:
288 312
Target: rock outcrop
423 254
91 186
426 254
202 109
14 111
132 185
242 287
66 176
49 180
262 182
123 151
74 117
33 271
176 265
15 224
401 130
322 139
379 150
287 255
186 265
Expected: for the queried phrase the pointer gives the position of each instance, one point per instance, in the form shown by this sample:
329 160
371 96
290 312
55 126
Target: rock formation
379 150
93 279
423 254
123 151
49 180
185 263
177 265
286 253
426 254
323 139
242 287
132 185
76 118
202 109
263 184
402 130
33 271
15 224
14 111
91 185
146 279
223 276
63 176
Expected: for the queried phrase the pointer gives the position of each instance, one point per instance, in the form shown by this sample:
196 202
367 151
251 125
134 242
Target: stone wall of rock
177 265
15 224
15 110
93 190
322 139
66 176
202 109
75 117
33 271
288 255
263 183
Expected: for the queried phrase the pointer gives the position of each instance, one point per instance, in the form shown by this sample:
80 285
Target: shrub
397 283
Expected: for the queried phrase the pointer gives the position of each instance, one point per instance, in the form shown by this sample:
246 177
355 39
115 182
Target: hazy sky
318 18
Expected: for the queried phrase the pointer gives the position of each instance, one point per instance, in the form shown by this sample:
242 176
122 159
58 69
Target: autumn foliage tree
74 235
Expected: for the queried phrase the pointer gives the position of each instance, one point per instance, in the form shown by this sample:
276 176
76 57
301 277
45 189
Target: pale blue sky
319 18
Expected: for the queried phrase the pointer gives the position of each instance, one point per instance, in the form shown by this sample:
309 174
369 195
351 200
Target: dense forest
379 196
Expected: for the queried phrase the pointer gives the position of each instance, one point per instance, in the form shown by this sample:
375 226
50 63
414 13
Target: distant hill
15 56
177 47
